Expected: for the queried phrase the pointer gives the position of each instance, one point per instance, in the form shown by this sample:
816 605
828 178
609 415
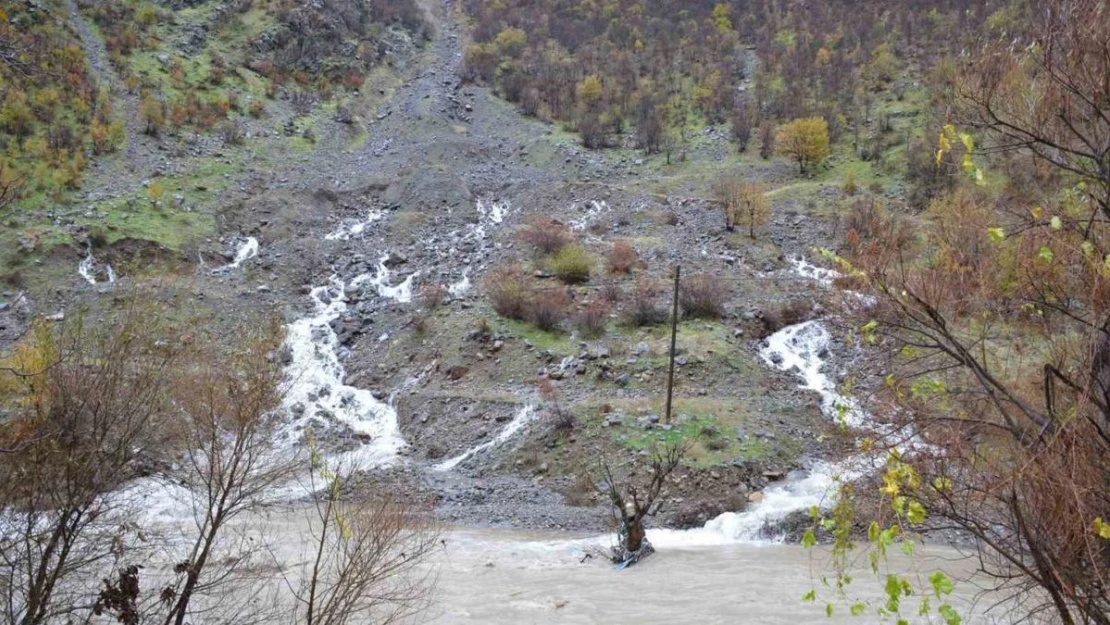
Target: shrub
256 109
592 319
544 234
546 308
703 296
611 292
572 264
432 297
787 314
644 307
508 290
623 257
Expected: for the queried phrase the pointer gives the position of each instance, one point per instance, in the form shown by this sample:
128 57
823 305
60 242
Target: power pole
674 335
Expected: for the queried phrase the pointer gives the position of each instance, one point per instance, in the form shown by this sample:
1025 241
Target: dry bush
644 306
611 293
623 257
432 297
786 314
572 264
509 290
592 319
544 234
703 296
546 308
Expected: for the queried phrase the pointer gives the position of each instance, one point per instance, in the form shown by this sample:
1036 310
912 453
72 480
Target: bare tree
88 404
640 495
368 558
228 404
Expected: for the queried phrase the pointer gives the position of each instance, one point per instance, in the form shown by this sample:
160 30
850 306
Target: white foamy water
88 266
246 250
461 287
381 282
806 269
315 389
346 231
594 209
526 415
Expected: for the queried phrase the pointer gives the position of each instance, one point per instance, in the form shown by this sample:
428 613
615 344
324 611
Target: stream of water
87 269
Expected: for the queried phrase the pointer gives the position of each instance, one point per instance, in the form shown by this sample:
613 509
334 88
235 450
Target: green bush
572 264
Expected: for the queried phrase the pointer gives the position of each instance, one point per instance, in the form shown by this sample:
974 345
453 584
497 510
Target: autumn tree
742 202
366 556
89 408
994 323
804 141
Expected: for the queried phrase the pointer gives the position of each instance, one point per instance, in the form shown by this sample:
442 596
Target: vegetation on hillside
654 71
53 117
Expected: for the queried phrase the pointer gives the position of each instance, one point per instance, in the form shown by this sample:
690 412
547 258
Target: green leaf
916 513
810 596
858 608
1045 254
907 547
809 539
1056 223
996 234
829 610
941 584
951 617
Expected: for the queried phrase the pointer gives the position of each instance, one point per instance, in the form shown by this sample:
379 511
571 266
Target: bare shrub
787 314
547 308
364 559
592 319
611 293
644 306
509 290
703 296
544 234
623 257
432 296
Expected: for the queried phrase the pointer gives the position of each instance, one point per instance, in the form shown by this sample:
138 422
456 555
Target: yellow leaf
1102 528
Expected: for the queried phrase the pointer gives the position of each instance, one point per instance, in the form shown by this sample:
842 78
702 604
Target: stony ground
427 152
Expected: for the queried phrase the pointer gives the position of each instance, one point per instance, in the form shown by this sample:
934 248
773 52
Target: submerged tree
639 496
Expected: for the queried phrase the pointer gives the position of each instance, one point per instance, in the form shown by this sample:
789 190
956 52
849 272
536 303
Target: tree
638 497
89 407
365 563
229 402
740 125
805 141
767 140
1016 445
153 112
743 203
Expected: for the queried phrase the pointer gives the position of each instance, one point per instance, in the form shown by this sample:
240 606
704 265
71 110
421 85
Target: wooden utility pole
674 335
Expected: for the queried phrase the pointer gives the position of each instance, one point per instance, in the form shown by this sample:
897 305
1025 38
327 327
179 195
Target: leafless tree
84 418
640 495
368 559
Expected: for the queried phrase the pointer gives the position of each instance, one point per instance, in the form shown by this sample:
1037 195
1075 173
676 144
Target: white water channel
491 214
316 392
803 350
87 269
246 249
523 417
